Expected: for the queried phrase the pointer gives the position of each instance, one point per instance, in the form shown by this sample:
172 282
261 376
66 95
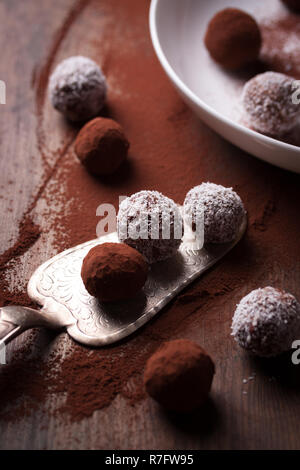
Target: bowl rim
195 99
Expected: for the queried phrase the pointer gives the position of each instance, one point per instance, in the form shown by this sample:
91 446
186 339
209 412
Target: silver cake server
57 286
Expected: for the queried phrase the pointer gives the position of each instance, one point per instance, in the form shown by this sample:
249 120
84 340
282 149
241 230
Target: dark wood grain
260 414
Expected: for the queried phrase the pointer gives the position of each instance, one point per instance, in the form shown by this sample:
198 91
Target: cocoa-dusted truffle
77 88
179 375
233 38
101 146
268 104
113 271
292 4
266 322
151 223
223 211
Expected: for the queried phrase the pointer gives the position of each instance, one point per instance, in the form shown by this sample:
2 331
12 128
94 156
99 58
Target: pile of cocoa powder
171 151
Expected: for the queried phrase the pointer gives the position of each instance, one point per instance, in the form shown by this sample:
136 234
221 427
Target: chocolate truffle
266 322
223 211
233 38
179 375
101 146
113 271
292 4
268 105
151 223
77 88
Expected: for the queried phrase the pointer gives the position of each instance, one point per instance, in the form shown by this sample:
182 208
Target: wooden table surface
260 414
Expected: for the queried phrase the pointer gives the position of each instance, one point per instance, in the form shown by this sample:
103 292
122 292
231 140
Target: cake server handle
14 320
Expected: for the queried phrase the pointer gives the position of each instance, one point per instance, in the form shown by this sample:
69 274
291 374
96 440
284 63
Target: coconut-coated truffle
101 146
292 4
233 38
113 271
266 322
223 211
268 105
77 88
152 224
179 375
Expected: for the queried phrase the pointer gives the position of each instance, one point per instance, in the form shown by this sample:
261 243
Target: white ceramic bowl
177 29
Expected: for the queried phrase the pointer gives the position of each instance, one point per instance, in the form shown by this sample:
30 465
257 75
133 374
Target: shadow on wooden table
280 370
201 422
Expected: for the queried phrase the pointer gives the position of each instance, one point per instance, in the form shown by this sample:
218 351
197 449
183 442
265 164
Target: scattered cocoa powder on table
29 232
171 152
